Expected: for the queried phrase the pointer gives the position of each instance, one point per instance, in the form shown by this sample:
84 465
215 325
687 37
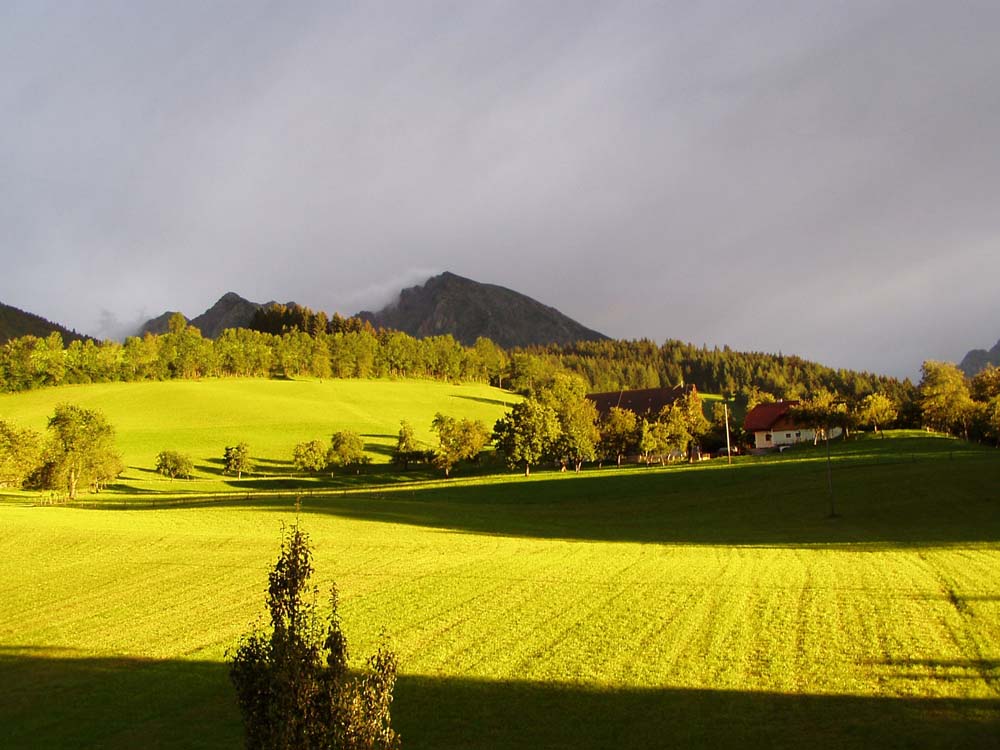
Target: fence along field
681 606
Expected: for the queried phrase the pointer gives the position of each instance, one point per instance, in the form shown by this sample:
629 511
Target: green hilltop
202 417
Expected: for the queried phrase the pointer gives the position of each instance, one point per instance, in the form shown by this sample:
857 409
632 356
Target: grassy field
692 605
202 417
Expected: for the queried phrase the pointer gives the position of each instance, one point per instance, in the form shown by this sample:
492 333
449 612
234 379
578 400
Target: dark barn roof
643 403
767 417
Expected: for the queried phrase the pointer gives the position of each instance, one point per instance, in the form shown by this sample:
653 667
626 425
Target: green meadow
706 605
202 417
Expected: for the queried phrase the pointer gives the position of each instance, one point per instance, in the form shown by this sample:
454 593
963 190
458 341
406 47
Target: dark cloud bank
816 178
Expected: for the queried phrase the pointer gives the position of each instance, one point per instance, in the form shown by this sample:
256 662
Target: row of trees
360 352
952 403
77 451
559 424
297 342
946 400
345 450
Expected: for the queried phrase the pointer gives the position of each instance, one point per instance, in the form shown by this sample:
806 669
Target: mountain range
444 304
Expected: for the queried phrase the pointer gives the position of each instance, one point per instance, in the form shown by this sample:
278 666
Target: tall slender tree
944 398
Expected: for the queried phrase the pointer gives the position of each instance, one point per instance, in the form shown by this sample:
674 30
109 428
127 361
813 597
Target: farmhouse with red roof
772 426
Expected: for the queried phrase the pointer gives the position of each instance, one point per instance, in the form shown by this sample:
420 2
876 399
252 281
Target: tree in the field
236 459
80 451
985 385
347 450
822 412
526 434
491 360
578 434
687 409
990 414
619 432
20 453
458 440
667 436
293 685
408 449
174 464
310 456
944 398
876 409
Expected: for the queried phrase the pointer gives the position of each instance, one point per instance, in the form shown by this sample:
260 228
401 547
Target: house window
767 437
788 434
798 434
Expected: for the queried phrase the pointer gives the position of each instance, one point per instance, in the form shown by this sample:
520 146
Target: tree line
293 341
556 424
356 351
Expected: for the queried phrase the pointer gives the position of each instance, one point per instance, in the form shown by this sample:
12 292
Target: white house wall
788 437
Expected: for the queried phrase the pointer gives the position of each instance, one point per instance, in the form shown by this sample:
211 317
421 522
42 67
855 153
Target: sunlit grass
201 418
688 605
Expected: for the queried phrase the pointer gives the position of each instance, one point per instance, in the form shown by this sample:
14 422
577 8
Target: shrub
174 464
310 456
347 449
292 681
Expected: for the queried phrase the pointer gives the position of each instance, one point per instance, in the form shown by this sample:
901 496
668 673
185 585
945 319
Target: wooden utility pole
729 451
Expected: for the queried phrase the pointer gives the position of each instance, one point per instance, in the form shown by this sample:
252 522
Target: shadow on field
908 503
917 495
123 703
482 400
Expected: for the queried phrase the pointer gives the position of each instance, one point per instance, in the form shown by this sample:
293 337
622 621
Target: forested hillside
295 342
15 323
614 365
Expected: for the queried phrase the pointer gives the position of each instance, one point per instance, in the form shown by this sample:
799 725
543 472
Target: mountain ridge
467 309
15 323
229 311
977 360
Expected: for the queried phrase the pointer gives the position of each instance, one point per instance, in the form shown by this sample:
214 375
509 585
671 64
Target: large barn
647 402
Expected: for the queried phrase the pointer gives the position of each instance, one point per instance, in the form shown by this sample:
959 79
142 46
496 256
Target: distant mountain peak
230 311
467 309
978 360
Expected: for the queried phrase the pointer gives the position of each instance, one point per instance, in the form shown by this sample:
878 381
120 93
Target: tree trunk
72 484
527 468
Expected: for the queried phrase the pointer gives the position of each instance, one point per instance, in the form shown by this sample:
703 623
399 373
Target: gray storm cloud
816 178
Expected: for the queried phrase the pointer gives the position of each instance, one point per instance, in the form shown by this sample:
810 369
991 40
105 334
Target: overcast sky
817 178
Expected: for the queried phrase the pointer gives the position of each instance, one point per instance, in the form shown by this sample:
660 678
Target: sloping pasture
702 605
